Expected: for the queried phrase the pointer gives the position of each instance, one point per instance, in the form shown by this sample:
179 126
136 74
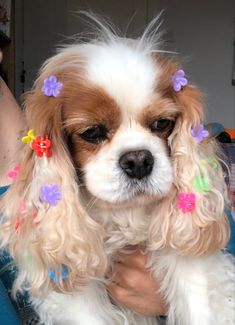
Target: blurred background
202 32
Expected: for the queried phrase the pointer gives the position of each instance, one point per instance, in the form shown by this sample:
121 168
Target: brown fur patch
79 105
86 107
169 104
167 69
188 100
161 108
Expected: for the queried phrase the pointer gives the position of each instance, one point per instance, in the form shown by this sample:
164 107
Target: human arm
11 126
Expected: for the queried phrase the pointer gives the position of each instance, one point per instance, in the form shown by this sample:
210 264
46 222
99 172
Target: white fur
109 63
199 290
90 306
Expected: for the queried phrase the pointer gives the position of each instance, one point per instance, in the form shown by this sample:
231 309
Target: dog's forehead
125 72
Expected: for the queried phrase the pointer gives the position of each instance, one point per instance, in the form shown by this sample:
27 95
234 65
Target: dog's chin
137 200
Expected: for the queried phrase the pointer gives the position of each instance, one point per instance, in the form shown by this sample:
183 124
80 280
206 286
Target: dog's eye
95 134
162 125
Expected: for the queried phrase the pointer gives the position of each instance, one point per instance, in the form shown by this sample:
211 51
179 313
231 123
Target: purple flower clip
50 194
51 87
200 133
179 80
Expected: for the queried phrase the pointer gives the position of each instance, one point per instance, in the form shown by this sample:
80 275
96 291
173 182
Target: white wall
203 31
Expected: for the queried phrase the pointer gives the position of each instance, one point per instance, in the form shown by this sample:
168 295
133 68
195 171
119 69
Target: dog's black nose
137 164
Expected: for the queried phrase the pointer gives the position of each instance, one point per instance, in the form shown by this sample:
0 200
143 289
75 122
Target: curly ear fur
206 229
49 236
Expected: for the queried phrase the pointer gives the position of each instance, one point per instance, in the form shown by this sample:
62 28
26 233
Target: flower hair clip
51 87
14 172
179 80
63 275
210 161
202 184
186 202
42 146
50 194
199 133
18 223
29 137
21 219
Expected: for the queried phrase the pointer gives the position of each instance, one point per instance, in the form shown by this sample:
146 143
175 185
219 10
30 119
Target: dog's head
118 123
121 132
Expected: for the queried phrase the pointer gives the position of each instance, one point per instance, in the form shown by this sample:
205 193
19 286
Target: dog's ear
43 223
197 171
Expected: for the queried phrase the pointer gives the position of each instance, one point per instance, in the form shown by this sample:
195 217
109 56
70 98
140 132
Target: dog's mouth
140 199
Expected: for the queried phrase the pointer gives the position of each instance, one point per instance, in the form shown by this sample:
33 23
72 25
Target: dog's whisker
91 203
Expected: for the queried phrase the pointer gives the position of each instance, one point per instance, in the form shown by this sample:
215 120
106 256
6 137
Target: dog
116 156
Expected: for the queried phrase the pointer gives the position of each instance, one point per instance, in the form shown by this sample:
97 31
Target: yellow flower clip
29 137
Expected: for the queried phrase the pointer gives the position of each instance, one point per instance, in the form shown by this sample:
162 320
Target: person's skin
134 287
11 126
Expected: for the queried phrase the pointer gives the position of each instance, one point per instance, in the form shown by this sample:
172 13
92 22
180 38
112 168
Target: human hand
134 287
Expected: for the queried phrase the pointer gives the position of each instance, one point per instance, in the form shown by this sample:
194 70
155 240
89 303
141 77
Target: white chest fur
124 226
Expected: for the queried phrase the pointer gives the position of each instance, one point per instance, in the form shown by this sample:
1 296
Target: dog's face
118 124
128 133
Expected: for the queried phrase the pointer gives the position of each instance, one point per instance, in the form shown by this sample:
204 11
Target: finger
135 260
119 275
133 279
123 296
117 291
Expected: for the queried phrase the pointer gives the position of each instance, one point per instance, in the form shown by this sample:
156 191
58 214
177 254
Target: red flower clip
42 146
34 215
18 223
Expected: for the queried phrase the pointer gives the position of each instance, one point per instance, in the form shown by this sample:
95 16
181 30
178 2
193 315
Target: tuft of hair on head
100 30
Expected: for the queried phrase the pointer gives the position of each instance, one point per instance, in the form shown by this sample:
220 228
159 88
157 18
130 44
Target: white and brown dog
122 160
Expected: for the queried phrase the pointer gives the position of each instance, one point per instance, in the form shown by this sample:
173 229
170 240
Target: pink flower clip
187 202
14 172
23 207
